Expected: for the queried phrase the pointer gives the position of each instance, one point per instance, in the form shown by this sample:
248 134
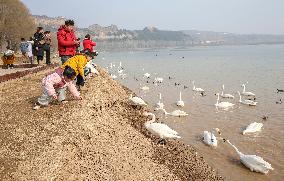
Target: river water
260 67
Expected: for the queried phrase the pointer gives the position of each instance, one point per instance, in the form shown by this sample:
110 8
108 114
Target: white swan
253 127
158 80
144 88
180 102
247 102
137 101
223 105
246 93
253 162
209 138
196 89
159 129
226 95
113 76
176 113
159 105
147 75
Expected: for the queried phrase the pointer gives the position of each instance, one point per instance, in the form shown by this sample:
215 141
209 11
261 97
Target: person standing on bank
67 41
38 44
88 43
46 46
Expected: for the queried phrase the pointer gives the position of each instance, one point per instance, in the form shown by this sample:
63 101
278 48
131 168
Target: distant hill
112 37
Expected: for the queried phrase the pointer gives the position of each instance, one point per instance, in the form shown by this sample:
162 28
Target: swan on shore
113 76
159 105
137 101
223 105
161 130
226 95
246 102
246 93
253 162
180 101
176 113
196 89
209 138
253 127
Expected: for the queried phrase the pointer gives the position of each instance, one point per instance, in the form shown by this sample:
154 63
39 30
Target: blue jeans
64 58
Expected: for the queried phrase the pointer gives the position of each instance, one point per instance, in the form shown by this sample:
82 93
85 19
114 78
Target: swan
209 137
180 102
247 102
246 93
158 80
176 113
161 130
144 88
113 76
147 75
253 162
226 95
253 127
159 105
223 105
120 71
196 89
137 101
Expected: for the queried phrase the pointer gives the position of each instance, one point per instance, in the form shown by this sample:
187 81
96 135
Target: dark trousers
80 81
47 53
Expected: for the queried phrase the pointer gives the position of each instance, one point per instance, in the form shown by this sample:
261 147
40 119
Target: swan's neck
165 112
244 89
217 99
131 96
160 96
222 92
180 96
240 98
236 149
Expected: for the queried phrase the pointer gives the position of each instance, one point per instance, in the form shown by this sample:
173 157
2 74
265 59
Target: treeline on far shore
16 22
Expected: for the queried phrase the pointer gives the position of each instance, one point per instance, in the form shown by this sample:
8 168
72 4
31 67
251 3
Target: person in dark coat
38 44
46 46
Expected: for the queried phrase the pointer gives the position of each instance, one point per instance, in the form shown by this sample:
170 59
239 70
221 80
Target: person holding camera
38 44
67 41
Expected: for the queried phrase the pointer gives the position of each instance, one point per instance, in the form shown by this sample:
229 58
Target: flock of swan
163 131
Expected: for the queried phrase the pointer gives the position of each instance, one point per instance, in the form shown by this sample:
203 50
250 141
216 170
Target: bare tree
15 22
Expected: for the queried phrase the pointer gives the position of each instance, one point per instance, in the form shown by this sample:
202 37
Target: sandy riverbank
99 138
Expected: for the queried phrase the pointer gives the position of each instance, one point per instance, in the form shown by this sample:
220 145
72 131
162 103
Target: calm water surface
261 67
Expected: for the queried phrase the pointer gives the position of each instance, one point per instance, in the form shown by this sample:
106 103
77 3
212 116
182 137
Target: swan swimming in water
158 80
196 89
161 130
137 101
176 113
226 95
247 102
253 127
253 162
209 138
147 75
180 102
223 105
246 93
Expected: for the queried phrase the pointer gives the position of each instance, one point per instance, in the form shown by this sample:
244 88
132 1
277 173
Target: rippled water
261 67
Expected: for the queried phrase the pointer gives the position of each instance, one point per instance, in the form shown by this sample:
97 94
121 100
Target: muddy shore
99 138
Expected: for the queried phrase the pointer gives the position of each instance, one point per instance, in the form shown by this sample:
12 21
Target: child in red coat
88 43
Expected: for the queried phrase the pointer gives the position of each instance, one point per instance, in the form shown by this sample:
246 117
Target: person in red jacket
88 43
67 41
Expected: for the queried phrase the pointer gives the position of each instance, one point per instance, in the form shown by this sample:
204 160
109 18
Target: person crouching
78 63
55 84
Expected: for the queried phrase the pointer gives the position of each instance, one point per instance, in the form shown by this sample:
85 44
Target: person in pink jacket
55 84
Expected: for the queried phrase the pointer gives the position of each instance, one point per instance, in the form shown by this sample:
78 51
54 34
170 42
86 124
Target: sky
235 16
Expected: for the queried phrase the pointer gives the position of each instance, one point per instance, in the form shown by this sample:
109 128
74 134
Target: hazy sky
237 16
